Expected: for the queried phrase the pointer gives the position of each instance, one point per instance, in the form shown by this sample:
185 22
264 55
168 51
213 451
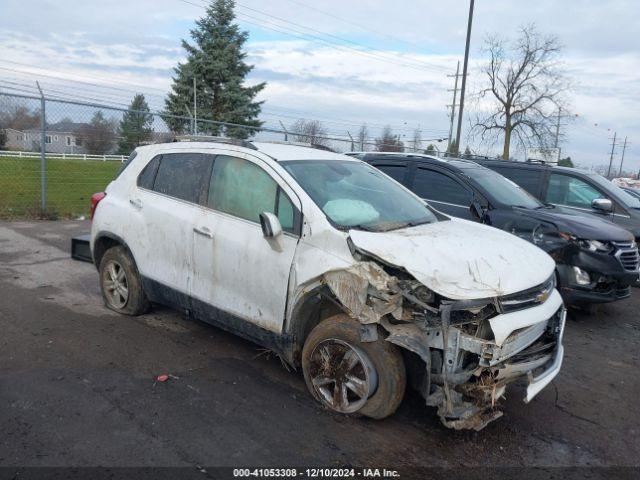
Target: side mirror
603 205
270 224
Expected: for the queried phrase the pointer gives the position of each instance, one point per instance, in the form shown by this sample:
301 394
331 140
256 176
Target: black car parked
596 260
583 192
634 192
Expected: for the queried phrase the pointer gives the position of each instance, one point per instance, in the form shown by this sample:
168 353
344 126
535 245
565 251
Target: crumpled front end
470 350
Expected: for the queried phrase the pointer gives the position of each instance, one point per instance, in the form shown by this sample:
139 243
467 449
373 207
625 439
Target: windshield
353 194
503 190
628 200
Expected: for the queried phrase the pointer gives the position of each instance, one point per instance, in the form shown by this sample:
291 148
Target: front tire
120 283
349 376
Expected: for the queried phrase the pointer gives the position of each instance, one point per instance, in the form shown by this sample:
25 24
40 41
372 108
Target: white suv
335 267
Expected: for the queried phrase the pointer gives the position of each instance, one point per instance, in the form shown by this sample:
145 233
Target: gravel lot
77 388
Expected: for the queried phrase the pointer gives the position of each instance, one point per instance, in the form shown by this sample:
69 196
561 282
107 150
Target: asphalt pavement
78 388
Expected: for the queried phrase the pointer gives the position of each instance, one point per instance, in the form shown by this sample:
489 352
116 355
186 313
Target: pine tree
216 61
135 127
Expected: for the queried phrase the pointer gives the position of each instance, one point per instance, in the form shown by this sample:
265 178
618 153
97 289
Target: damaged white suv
337 268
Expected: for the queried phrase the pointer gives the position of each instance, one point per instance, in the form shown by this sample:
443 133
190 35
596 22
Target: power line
362 27
110 80
384 56
306 36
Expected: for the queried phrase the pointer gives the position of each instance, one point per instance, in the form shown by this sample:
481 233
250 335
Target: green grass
70 184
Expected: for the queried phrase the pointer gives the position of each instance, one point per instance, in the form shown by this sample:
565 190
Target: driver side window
571 191
243 189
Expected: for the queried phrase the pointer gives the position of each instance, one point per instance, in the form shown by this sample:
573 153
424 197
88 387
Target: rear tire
120 283
349 376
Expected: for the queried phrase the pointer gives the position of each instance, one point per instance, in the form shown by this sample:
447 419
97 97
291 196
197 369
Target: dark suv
583 192
596 260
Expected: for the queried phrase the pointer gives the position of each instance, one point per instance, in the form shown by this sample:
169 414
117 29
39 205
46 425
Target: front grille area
627 254
528 298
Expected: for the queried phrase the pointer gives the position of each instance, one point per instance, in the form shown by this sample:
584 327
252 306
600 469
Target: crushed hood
460 260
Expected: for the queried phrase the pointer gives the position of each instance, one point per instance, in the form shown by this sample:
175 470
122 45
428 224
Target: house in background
61 137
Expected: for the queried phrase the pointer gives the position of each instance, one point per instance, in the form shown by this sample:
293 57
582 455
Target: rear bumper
81 249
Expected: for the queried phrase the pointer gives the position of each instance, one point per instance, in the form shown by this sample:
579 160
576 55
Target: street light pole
464 74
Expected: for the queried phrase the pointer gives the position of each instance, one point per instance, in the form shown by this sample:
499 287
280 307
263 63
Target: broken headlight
548 237
595 246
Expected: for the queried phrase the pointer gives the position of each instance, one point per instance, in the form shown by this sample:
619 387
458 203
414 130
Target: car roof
459 163
278 151
283 152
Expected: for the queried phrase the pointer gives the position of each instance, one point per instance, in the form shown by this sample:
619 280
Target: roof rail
301 144
211 138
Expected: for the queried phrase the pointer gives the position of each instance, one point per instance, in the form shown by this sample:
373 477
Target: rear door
443 191
170 189
237 270
530 178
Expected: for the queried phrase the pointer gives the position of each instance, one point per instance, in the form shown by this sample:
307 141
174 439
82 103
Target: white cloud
134 45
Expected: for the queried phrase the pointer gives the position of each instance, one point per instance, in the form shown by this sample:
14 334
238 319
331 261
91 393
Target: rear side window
183 175
243 189
148 174
432 185
528 179
396 172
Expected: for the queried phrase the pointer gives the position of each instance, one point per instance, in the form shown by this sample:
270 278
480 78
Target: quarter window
571 191
182 175
436 186
243 189
148 174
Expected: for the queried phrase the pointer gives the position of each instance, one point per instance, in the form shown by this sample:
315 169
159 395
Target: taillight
95 200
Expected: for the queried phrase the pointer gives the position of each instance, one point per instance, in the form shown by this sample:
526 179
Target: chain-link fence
55 153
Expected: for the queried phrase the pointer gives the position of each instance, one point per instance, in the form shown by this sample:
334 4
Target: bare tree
363 134
525 90
98 137
416 142
19 117
388 142
309 131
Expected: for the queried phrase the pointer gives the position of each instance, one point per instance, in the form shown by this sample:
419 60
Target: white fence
63 156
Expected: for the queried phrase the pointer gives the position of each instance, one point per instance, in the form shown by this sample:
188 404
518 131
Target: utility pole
624 147
195 108
453 105
353 146
558 128
286 133
557 142
190 118
464 74
613 146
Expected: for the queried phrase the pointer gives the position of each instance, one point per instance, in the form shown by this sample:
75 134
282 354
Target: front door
236 269
574 193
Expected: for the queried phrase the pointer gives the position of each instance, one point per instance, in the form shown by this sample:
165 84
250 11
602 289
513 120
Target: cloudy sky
345 63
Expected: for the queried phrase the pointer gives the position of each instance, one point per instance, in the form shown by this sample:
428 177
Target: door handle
136 203
204 231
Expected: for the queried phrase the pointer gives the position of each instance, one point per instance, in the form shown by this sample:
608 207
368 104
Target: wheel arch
310 309
103 242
